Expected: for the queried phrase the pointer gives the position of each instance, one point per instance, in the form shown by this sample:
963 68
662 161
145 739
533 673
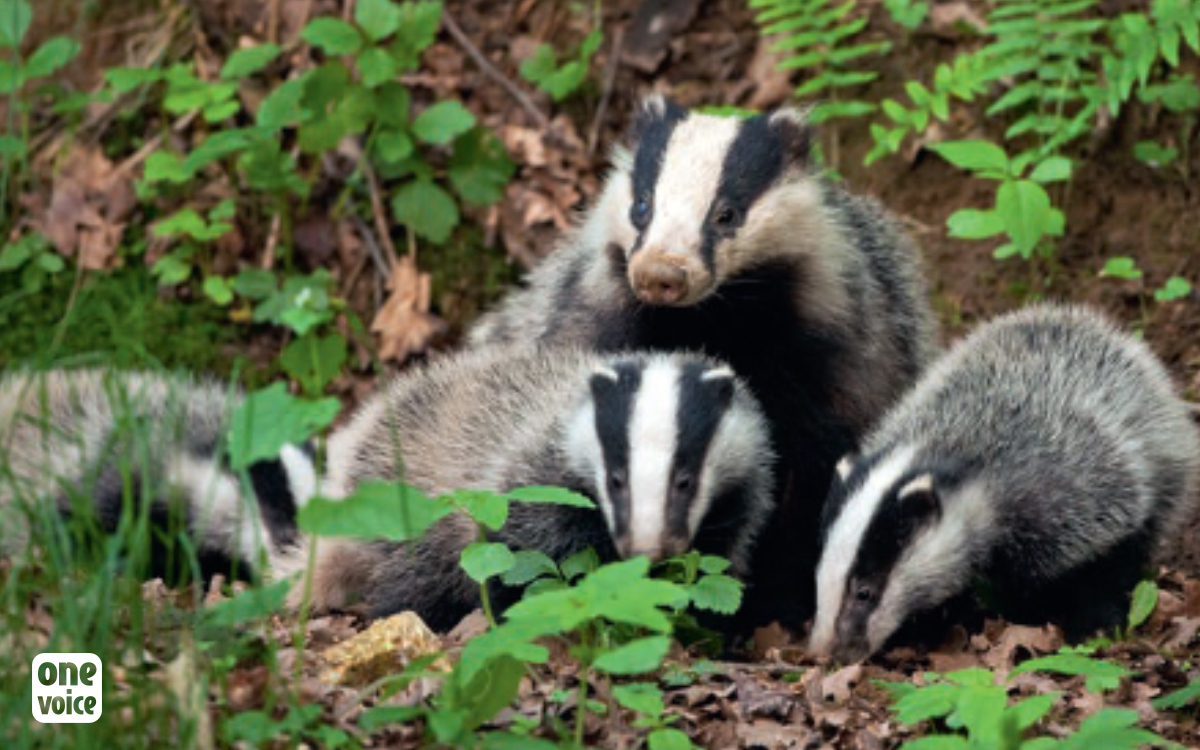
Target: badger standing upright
1046 457
83 440
672 448
720 235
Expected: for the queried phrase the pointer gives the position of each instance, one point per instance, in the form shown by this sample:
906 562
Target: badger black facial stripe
754 162
614 402
275 502
703 402
654 134
890 533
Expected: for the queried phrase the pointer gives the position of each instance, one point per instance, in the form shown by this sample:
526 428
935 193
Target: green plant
978 713
33 256
1124 267
822 37
908 13
560 81
1023 211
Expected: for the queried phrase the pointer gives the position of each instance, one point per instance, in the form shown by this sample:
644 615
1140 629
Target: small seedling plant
616 619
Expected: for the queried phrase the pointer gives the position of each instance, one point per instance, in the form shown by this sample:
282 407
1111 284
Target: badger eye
684 482
864 594
616 482
639 214
725 216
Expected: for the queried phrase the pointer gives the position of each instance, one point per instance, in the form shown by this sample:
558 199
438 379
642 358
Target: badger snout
658 282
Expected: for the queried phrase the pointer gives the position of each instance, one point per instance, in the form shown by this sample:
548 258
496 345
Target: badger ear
920 496
791 125
720 381
653 110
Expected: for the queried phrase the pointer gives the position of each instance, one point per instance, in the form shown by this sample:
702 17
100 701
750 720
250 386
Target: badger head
709 194
900 539
677 451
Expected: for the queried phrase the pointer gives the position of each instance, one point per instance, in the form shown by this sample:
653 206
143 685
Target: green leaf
637 657
1028 216
1110 729
717 593
1145 599
484 560
332 35
171 270
1100 675
376 510
443 122
249 60
393 145
642 697
426 209
377 18
712 564
419 22
1182 697
255 283
937 742
1176 287
283 106
927 703
52 55
1053 169
981 709
668 738
15 17
218 290
1028 712
12 78
977 156
377 66
1121 267
480 167
271 418
15 255
581 563
973 224
550 495
529 565
164 166
125 80
251 604
314 360
1154 154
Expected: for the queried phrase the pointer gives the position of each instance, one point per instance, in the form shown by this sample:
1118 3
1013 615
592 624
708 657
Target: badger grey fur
720 235
1045 457
85 439
671 447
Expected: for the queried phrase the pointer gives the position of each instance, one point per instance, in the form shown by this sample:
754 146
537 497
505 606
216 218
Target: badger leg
1091 597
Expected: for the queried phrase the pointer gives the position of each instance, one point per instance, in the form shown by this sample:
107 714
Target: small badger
720 235
89 437
1043 459
672 448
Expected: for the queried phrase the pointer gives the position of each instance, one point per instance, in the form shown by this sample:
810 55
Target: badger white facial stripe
844 540
652 434
217 510
690 176
301 474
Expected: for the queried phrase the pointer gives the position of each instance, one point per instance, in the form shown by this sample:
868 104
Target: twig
268 261
273 21
373 249
610 77
380 216
490 71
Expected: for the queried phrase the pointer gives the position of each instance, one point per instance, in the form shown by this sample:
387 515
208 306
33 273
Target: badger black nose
660 283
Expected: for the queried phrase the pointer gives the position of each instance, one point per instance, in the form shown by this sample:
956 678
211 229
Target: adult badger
1045 457
85 439
721 235
672 448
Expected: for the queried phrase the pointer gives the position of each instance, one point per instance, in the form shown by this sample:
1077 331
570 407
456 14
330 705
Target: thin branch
491 72
610 77
377 210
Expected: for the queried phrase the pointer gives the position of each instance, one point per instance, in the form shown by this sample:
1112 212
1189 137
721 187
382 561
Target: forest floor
779 698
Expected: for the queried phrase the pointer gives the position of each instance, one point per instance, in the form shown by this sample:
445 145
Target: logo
67 688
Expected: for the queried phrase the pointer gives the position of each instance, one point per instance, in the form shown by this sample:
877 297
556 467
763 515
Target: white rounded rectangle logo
67 688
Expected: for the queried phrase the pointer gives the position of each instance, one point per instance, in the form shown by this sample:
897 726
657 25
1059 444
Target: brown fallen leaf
404 323
89 202
1043 640
837 687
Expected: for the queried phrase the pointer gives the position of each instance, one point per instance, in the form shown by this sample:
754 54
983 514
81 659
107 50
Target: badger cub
1046 457
672 448
82 440
721 235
